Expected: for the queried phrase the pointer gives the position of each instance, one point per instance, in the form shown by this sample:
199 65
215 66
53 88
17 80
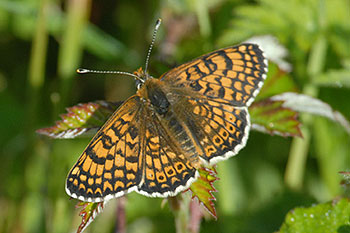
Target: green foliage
88 213
203 187
274 118
331 217
81 120
335 78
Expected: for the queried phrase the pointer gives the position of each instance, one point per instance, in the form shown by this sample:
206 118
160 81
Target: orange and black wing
214 92
131 152
217 130
110 166
233 75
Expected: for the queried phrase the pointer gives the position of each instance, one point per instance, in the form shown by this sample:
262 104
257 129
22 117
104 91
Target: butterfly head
142 77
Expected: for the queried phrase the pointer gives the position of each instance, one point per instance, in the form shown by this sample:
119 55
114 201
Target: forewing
232 75
110 165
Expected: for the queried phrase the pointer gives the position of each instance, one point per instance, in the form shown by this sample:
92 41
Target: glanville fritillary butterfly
156 140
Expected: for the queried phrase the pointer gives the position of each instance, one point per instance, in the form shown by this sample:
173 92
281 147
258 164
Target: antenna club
82 71
159 21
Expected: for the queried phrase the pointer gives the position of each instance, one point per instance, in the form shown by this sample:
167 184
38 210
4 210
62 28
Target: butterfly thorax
153 93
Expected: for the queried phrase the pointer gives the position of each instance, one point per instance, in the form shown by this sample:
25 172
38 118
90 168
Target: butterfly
195 114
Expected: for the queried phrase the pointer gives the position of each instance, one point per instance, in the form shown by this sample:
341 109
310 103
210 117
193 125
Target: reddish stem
121 216
196 216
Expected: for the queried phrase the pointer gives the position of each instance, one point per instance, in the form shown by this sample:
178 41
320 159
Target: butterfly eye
138 84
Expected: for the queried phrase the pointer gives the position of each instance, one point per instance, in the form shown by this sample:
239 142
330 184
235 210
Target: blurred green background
43 42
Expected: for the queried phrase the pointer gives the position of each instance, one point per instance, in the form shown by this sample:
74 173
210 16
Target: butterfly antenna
159 21
86 71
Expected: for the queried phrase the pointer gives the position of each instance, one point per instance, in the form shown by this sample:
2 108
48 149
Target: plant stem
299 149
180 206
121 218
196 217
37 65
297 157
32 162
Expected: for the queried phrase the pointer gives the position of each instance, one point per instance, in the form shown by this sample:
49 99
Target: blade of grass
33 207
71 45
37 64
202 11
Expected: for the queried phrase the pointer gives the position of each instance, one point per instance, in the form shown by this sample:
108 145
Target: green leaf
334 78
304 103
106 47
345 182
88 213
203 187
277 82
271 117
328 217
81 120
